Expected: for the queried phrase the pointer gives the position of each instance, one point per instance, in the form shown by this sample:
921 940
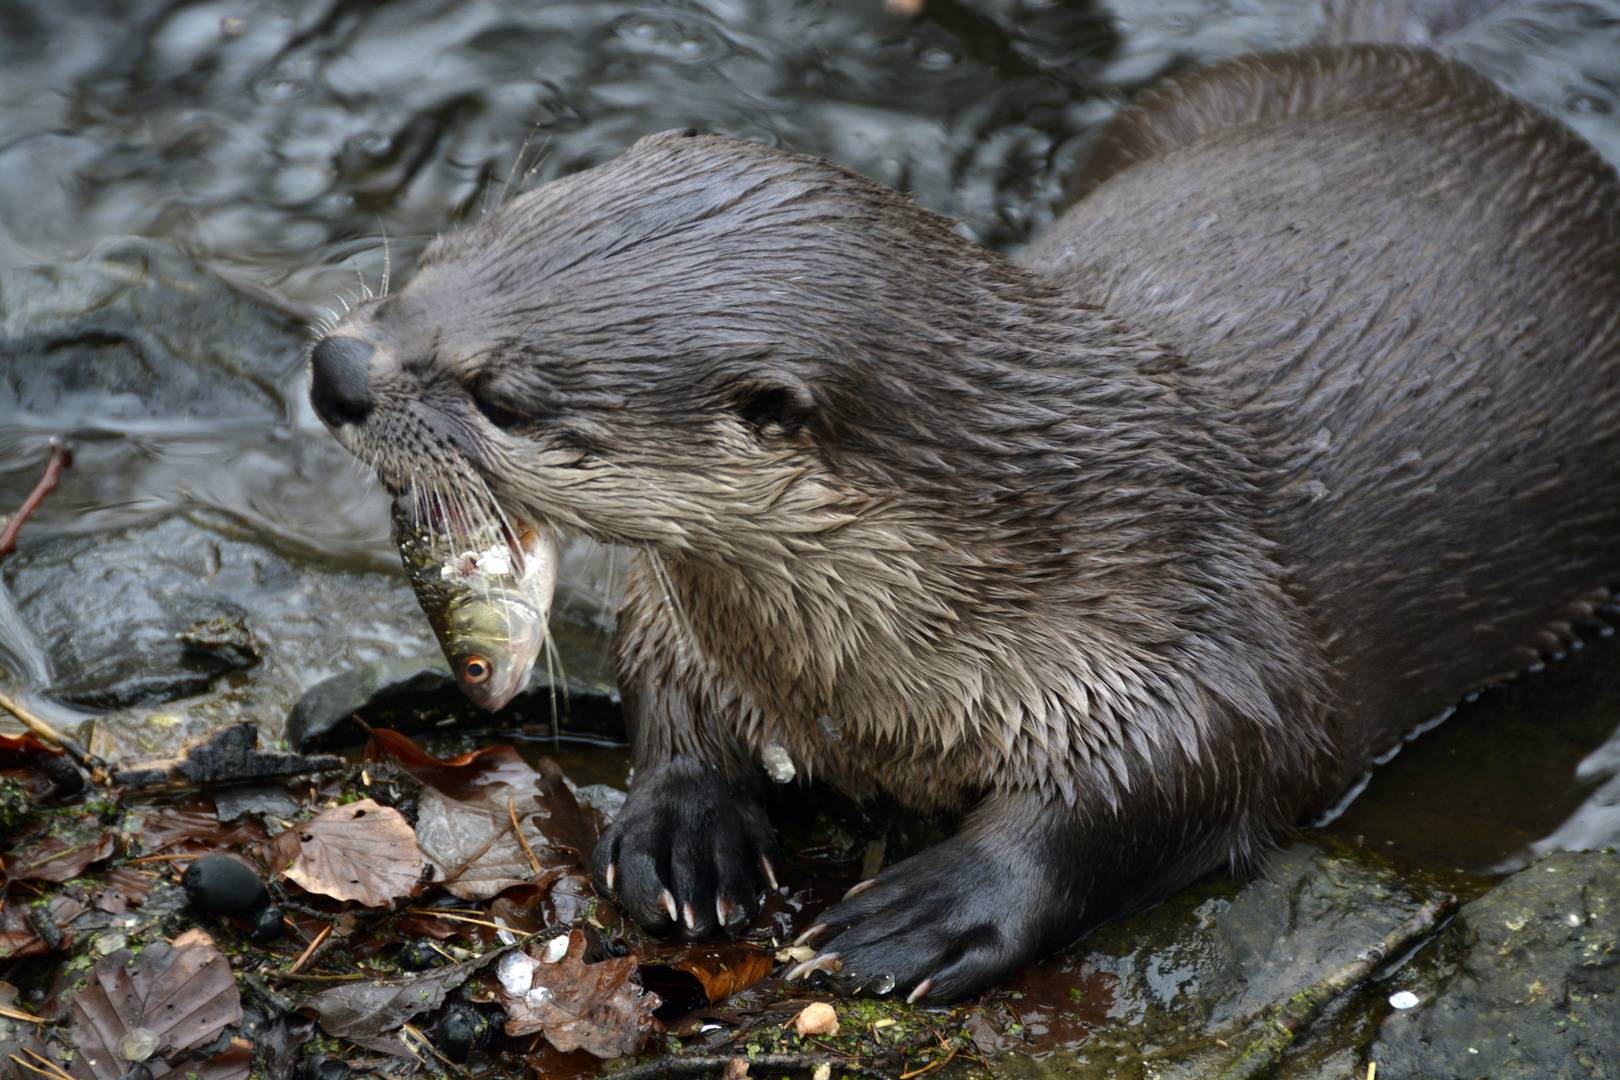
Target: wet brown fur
1292 432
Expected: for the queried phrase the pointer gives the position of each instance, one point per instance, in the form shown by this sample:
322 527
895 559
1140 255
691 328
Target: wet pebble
220 885
268 925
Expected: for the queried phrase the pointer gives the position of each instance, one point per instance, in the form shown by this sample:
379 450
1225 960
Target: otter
1299 427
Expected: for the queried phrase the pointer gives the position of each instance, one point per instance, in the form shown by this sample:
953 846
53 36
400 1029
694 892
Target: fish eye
475 669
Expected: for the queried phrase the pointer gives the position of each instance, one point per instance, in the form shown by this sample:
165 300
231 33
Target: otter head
707 349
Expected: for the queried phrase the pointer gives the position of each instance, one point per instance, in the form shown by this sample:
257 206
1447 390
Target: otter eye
474 669
498 415
777 406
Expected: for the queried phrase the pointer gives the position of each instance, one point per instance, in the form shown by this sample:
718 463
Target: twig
88 762
61 458
320 939
698 1064
936 1063
534 863
458 918
51 1065
280 1002
1284 1022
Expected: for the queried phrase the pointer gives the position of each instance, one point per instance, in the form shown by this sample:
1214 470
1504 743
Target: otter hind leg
689 852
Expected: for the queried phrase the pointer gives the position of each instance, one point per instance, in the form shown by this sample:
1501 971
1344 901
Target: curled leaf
579 1006
361 851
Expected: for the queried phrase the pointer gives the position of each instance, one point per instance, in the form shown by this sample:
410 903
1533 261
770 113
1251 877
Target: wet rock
141 332
1206 965
229 755
324 715
1528 982
107 609
419 694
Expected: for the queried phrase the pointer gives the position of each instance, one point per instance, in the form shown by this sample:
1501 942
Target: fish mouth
486 581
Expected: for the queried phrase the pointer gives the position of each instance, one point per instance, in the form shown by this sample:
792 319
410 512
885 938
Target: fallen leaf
565 821
465 813
364 1011
18 936
360 851
721 968
182 994
121 890
166 826
578 1006
62 858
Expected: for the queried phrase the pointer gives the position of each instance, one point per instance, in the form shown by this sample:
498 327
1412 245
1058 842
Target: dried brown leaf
183 993
62 858
360 851
578 1006
167 826
365 1011
122 889
721 968
18 935
565 821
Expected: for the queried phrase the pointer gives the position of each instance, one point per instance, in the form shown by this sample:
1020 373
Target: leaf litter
428 909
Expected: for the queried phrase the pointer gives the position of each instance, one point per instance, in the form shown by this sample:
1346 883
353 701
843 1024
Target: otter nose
338 388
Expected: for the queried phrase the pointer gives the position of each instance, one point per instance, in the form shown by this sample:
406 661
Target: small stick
1283 1023
534 863
936 1063
88 762
326 932
61 458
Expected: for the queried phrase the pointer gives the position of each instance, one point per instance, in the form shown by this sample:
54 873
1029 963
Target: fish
486 589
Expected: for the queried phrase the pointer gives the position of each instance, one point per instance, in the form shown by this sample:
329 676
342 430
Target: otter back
1407 284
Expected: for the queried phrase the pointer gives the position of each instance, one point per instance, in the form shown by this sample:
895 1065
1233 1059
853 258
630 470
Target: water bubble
373 143
138 1044
934 58
1586 104
827 729
884 984
1403 999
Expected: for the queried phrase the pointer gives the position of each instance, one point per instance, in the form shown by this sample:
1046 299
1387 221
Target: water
299 147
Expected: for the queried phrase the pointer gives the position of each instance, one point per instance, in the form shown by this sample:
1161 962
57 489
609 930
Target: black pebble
320 1067
457 1030
268 925
219 885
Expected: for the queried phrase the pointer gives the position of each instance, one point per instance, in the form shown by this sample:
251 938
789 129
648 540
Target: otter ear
777 403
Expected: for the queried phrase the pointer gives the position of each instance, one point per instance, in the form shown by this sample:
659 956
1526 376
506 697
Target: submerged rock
1527 983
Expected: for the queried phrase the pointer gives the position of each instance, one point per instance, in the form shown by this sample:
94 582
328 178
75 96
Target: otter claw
667 900
688 916
770 874
860 887
811 934
921 990
822 962
612 873
722 909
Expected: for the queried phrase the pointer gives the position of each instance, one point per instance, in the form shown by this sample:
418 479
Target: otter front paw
943 924
689 851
